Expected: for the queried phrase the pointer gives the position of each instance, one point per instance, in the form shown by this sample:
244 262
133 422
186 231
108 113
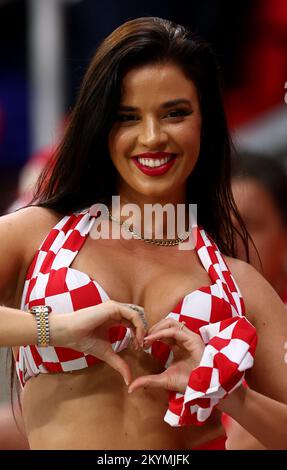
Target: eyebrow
167 104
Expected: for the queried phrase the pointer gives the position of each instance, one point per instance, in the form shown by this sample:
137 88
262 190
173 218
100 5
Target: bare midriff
91 409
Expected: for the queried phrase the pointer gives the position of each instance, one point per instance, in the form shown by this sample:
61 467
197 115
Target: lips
158 170
154 155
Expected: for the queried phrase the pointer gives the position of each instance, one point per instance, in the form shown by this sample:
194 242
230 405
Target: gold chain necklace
156 241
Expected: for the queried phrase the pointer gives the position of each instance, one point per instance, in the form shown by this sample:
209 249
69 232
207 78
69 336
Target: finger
157 326
116 362
163 324
149 381
181 336
121 311
140 311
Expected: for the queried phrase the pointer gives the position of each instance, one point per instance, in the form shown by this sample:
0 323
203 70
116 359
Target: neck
153 216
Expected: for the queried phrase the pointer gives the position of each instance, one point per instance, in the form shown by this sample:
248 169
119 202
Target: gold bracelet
42 318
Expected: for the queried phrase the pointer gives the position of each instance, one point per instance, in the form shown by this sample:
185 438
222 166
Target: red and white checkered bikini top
51 281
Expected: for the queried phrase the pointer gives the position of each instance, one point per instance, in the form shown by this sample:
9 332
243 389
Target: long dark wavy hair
81 171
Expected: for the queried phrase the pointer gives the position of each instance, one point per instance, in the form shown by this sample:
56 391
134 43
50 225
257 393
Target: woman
149 127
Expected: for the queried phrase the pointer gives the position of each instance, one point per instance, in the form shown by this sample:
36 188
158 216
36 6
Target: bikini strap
61 244
218 270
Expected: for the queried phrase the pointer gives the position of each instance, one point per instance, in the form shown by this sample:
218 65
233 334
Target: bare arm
16 327
261 416
16 234
240 439
262 409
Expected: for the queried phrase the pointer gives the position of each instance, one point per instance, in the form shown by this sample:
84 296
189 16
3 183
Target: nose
151 134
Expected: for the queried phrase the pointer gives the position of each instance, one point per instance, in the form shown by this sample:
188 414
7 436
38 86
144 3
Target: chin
154 188
155 193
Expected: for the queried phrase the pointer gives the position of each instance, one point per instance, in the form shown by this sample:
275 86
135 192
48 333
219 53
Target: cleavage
149 283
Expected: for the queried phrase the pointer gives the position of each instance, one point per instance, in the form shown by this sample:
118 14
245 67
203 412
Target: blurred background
45 46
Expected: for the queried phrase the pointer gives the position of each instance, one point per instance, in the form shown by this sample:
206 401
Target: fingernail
126 382
129 391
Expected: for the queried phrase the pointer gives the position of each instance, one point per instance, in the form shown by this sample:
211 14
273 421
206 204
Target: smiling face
158 125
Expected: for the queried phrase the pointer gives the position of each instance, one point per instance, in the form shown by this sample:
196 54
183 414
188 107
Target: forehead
156 83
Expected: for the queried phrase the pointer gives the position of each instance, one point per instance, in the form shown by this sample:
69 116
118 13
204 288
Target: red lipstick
154 171
154 155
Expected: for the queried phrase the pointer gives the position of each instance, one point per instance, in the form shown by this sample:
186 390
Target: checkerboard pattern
51 281
215 312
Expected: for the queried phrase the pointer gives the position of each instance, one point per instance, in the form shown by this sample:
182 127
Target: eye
126 118
179 113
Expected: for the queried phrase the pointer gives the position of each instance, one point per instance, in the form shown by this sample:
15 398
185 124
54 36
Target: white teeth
154 163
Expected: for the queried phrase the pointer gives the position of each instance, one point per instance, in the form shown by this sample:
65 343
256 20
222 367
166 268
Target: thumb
149 381
117 363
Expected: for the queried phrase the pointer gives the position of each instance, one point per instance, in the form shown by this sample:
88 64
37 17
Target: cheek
189 136
190 145
119 143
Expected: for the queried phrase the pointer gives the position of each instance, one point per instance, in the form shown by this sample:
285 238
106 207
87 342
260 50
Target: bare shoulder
27 224
26 214
237 266
243 273
21 234
258 295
